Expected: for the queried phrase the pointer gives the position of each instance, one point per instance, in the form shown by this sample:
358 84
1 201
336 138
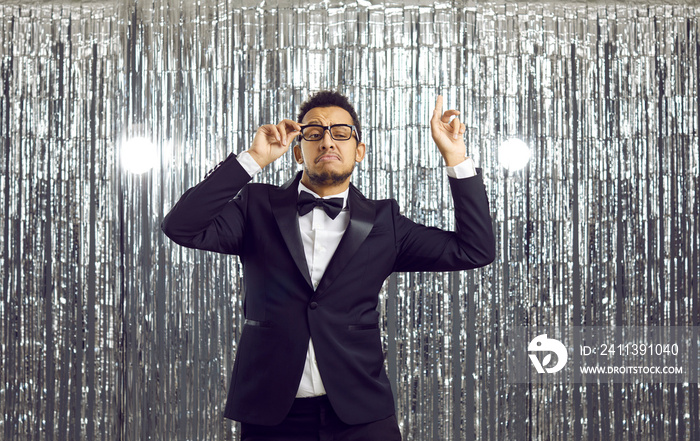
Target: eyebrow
316 122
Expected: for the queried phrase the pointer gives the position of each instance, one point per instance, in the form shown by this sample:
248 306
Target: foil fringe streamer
110 331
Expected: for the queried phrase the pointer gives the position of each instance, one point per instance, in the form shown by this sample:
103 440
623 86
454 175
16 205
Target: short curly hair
330 98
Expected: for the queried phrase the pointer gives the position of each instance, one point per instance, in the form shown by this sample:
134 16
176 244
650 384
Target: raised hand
272 141
448 135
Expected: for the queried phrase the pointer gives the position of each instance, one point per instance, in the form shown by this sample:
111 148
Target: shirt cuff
249 164
465 169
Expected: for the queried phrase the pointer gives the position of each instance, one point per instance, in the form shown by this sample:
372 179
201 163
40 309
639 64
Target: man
315 253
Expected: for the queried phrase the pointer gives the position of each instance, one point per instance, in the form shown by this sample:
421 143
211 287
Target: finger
456 125
283 132
289 125
292 124
438 109
293 128
462 129
273 132
449 114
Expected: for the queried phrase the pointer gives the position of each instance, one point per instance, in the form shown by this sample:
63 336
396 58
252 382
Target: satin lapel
284 206
361 223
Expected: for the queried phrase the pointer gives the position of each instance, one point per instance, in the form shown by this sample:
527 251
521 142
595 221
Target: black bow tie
307 202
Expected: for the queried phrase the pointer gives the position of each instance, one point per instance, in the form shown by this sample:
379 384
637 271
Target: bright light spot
139 155
514 154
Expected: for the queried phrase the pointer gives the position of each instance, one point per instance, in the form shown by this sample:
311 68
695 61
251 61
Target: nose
327 142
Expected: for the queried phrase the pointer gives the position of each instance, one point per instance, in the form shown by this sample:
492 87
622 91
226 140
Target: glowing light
139 155
514 154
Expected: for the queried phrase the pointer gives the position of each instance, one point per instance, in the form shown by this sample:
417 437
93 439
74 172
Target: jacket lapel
284 207
362 213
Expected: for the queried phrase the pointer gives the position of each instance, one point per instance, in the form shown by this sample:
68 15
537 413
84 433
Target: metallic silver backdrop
110 331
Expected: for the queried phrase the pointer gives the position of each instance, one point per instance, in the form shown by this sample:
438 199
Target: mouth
327 157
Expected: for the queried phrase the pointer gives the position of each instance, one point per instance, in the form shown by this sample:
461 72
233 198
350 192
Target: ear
298 157
360 151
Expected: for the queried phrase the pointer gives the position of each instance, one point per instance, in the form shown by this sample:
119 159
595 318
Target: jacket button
313 305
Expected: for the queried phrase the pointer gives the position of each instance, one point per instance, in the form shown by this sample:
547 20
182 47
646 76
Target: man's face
327 162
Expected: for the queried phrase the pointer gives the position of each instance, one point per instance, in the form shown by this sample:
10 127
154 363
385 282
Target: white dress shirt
320 236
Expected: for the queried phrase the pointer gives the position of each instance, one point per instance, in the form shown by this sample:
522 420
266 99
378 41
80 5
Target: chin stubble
328 178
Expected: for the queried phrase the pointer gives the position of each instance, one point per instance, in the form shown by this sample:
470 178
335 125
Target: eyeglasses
339 132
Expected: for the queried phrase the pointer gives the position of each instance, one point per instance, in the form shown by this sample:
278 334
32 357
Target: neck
323 189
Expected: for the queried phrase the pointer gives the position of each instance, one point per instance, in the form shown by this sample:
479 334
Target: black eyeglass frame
352 127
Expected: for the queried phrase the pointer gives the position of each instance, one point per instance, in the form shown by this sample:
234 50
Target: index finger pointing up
437 113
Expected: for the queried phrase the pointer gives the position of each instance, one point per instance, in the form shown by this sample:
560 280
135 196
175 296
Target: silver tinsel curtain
110 331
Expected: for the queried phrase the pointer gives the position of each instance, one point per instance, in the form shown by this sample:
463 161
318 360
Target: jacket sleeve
471 245
211 215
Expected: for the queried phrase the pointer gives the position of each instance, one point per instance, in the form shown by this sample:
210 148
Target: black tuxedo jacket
258 222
